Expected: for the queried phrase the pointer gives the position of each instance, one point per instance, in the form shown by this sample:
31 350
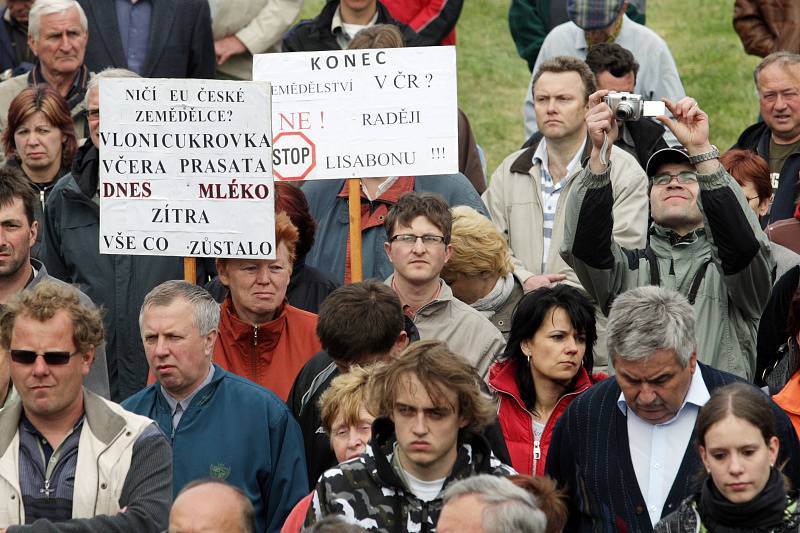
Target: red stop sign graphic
293 156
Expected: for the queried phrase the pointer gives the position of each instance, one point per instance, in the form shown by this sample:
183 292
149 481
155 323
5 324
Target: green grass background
492 79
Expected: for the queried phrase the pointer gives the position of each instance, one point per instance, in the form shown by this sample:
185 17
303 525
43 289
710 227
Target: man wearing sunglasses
19 271
69 459
705 241
418 227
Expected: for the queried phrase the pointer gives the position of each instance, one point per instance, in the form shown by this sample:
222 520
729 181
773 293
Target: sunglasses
28 357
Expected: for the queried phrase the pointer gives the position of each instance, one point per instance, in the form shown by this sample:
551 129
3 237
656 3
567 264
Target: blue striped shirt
551 192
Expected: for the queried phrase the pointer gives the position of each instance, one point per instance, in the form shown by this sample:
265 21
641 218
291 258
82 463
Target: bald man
211 506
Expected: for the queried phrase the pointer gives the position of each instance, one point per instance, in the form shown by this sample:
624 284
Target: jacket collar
202 395
502 378
104 423
524 162
85 169
268 333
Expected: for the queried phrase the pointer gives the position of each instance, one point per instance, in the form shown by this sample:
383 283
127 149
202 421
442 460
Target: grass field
492 79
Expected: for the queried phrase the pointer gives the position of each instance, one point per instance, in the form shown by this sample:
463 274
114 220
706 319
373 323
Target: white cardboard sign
362 113
186 168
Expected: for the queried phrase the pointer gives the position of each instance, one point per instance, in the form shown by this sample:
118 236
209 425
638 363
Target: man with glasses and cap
705 241
70 460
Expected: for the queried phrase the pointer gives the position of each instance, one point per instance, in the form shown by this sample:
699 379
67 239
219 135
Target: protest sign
186 168
362 113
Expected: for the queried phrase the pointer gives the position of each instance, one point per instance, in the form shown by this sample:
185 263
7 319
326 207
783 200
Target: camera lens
624 111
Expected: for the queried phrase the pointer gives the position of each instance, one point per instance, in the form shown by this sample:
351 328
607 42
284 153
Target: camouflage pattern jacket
367 490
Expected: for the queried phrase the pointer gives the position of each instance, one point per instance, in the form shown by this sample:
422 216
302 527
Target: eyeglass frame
431 239
677 177
22 357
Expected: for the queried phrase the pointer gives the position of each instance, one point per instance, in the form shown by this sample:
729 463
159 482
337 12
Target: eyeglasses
752 198
683 177
28 357
409 239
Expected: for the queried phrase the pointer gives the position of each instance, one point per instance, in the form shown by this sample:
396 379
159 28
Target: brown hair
748 167
420 204
377 36
346 311
741 400
53 106
561 64
549 497
42 302
345 397
15 184
439 370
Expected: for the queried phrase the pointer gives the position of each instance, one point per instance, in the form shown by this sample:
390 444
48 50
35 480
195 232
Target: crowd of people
601 337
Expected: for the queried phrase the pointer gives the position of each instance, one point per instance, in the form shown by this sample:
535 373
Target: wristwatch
706 156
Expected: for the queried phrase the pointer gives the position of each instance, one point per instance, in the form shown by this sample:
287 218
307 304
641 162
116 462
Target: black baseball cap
673 154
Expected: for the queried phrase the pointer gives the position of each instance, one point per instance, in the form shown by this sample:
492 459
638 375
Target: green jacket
731 248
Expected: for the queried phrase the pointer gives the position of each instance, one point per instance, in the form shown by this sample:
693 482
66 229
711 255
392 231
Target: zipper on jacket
41 198
46 490
255 335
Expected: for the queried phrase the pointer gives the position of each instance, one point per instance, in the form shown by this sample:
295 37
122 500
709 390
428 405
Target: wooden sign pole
190 269
354 207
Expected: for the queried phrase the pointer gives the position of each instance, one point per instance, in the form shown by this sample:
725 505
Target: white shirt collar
540 158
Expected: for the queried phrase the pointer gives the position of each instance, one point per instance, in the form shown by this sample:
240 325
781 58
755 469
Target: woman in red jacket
547 363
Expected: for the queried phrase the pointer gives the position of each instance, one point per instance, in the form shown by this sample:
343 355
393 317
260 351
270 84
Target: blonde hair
345 397
478 247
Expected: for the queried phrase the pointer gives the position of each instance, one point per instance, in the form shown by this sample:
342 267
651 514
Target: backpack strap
698 279
652 260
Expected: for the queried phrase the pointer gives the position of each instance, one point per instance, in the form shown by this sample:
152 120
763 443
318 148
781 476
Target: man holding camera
615 69
527 195
705 241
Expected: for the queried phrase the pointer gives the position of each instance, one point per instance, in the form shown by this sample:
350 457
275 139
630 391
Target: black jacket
181 44
756 138
314 35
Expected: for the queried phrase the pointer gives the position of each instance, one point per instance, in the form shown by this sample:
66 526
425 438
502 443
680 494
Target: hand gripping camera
631 107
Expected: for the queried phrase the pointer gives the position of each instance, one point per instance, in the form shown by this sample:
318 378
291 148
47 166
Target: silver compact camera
625 106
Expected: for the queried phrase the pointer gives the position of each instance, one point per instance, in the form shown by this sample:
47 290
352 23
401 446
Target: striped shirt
551 192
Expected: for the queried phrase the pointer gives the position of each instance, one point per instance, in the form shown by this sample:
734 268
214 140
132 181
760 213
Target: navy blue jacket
590 456
238 431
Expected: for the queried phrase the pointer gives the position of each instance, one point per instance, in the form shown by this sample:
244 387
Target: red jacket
434 20
270 354
517 422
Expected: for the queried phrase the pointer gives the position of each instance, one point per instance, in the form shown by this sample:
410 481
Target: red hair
45 99
291 200
748 167
286 233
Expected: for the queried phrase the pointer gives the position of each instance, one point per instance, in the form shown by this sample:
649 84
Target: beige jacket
259 24
104 457
466 331
514 202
